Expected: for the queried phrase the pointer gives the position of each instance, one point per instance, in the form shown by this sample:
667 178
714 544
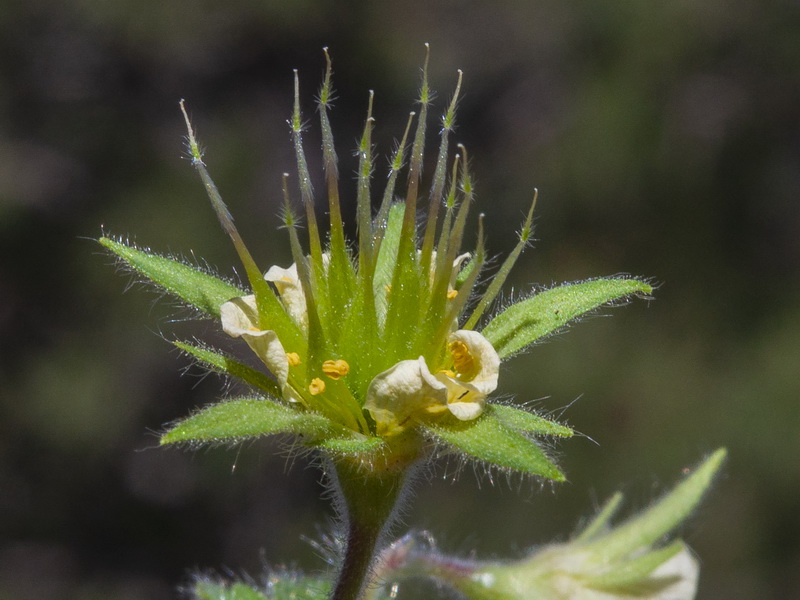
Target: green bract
377 349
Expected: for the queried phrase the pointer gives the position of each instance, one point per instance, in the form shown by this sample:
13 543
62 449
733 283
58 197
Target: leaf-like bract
529 320
190 284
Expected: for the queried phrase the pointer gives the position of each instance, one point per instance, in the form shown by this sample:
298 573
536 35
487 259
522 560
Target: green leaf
229 366
248 418
488 439
522 420
188 283
529 320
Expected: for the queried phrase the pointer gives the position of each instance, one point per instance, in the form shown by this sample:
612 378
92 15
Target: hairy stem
368 505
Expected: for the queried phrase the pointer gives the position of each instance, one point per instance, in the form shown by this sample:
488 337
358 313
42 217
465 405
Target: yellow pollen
316 387
448 372
335 368
253 329
293 358
451 294
462 359
388 288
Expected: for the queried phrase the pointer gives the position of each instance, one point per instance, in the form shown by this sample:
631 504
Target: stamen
451 294
462 359
316 387
293 358
335 369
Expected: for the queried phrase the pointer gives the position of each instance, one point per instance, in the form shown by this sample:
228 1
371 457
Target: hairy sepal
631 577
663 516
192 285
529 320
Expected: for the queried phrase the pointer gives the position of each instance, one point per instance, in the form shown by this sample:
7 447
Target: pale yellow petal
240 319
458 263
466 411
477 367
485 367
291 292
401 392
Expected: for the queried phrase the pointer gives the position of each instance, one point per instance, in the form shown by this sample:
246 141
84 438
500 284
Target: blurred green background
664 139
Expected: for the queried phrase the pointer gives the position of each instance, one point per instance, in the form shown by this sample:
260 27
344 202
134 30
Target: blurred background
664 139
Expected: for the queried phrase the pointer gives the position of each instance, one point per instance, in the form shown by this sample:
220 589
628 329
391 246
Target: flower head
603 562
374 339
380 342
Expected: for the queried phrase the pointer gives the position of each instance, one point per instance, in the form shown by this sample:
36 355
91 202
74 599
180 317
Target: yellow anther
316 387
253 329
448 372
462 359
335 368
293 358
451 294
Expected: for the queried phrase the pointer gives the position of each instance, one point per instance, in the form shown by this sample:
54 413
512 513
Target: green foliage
528 321
243 418
209 590
190 284
632 576
661 518
229 366
279 585
497 442
527 422
369 366
622 563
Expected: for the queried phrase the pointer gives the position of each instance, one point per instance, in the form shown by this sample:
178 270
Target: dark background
664 140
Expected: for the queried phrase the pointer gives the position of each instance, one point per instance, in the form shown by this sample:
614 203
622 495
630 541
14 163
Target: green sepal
599 524
243 418
529 320
631 577
489 440
190 284
229 366
661 518
527 422
386 260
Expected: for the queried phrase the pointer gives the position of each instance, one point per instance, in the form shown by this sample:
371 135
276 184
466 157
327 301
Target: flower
409 391
564 573
291 291
381 342
396 398
602 562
